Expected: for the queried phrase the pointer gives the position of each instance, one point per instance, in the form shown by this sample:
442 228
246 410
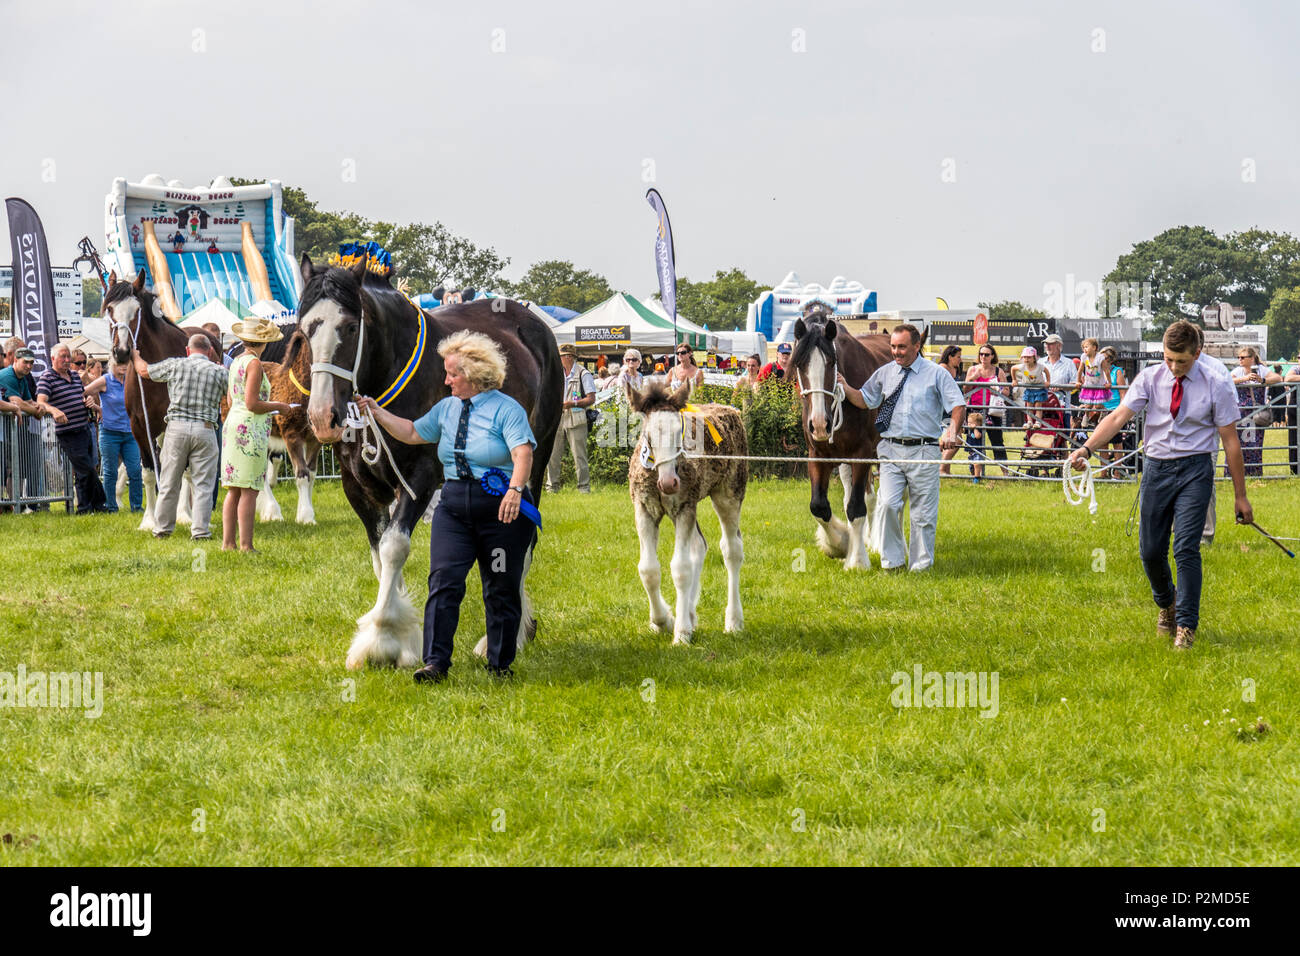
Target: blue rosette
496 483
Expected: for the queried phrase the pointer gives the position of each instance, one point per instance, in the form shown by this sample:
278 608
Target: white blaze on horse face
324 328
663 431
123 315
820 412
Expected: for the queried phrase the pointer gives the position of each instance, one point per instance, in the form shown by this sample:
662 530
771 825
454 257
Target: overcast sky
812 136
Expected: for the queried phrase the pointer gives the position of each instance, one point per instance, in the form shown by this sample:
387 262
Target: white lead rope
1077 485
837 396
366 426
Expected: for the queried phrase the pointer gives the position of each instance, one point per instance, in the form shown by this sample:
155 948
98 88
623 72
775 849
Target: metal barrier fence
34 472
1264 418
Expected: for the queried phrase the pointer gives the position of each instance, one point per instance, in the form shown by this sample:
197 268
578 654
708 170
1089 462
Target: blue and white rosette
496 483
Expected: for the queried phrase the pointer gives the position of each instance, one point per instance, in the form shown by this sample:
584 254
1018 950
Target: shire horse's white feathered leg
390 633
268 508
306 511
858 527
148 522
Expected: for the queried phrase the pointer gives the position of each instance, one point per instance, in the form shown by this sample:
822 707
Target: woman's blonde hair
481 359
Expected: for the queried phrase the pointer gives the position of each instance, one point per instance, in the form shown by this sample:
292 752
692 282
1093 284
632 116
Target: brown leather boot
1185 637
1165 623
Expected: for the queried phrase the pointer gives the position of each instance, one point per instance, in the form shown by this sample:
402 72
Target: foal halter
837 396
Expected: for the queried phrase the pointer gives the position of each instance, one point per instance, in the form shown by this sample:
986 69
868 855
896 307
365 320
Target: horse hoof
480 649
734 624
683 640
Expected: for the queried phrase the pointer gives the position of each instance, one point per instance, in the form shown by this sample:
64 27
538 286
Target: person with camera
579 396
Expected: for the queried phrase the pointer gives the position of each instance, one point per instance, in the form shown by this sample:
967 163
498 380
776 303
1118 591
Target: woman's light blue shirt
497 423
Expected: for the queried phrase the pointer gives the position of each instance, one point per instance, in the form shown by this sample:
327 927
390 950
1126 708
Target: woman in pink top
990 402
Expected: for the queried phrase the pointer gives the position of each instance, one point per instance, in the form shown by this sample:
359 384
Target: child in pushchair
1044 437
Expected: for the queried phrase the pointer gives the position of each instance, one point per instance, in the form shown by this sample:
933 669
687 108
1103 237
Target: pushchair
1044 439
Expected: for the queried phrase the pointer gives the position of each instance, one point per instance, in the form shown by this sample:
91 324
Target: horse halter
837 395
114 325
404 377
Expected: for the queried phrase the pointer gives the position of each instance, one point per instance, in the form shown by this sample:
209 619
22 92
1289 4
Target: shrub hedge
772 424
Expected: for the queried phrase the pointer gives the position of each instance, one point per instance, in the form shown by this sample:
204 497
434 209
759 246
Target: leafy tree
92 296
557 282
721 302
428 255
1187 267
432 256
1283 321
1008 310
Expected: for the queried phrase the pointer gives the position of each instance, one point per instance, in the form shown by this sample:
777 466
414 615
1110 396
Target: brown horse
835 428
136 321
291 434
664 479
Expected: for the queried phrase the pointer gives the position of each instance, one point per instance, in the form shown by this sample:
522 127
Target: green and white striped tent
620 318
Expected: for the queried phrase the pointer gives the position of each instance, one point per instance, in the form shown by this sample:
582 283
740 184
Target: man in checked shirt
195 385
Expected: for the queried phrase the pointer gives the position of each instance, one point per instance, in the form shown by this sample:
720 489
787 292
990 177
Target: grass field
231 734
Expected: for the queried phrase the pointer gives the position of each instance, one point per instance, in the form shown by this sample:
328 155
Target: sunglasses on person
81 364
683 352
986 355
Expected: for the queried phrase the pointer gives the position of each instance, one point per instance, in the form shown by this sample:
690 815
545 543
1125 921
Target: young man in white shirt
1189 408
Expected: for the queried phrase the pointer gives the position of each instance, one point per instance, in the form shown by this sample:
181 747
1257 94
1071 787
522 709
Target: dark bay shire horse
135 320
835 428
365 338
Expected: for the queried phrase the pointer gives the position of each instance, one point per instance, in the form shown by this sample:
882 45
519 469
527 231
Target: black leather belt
910 442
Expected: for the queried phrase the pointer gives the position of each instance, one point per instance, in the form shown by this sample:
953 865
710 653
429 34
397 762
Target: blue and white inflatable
786 302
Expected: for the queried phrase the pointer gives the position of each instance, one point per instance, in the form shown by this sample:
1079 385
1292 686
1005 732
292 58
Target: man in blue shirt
912 395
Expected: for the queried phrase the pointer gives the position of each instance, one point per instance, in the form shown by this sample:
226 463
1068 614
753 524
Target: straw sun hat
257 330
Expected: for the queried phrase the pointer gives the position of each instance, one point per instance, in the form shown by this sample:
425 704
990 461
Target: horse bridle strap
388 395
837 395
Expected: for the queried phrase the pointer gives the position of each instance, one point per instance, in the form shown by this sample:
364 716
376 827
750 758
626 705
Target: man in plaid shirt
195 385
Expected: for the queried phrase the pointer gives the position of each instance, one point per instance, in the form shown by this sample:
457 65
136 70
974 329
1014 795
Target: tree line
1185 268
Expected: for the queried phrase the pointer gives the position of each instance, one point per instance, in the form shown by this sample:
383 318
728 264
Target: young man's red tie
1176 398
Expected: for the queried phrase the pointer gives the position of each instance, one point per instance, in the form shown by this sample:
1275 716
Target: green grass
224 693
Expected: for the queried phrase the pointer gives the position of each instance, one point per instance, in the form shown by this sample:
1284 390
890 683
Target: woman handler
485 446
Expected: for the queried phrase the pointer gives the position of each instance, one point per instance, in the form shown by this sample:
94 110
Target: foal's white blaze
663 431
323 325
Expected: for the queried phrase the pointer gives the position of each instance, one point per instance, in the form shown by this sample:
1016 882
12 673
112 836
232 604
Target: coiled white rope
372 440
1077 485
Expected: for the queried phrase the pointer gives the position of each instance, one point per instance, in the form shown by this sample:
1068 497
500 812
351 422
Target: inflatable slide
199 243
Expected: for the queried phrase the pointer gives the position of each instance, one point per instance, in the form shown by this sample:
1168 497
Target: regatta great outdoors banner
664 257
34 318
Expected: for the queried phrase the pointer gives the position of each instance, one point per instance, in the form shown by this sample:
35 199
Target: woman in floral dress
244 436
